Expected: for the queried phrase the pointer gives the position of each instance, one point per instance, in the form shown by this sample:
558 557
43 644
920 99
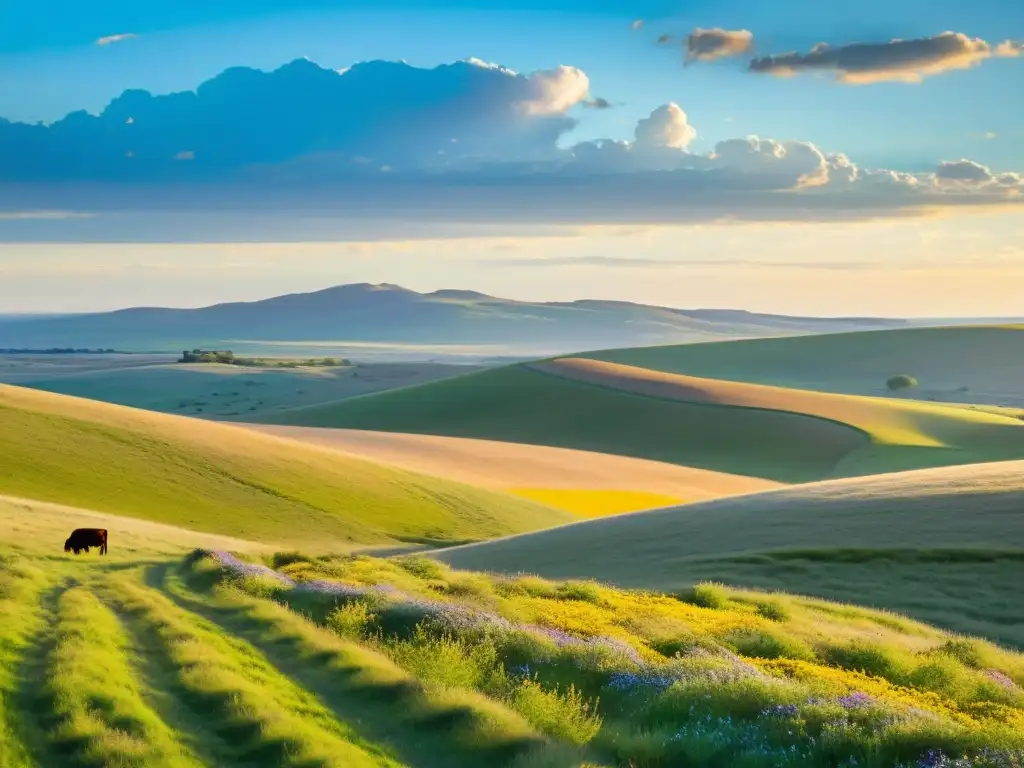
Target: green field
221 663
222 479
967 364
218 391
945 545
791 441
520 405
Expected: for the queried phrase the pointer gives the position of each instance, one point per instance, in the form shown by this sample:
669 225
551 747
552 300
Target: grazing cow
83 538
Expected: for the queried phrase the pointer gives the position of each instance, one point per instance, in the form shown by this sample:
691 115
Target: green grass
987 361
517 404
230 481
225 392
796 437
944 545
813 684
145 657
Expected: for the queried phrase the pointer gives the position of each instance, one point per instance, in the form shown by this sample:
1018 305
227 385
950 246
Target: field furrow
428 726
95 714
20 635
265 717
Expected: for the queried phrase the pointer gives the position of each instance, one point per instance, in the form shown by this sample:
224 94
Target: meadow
289 660
944 545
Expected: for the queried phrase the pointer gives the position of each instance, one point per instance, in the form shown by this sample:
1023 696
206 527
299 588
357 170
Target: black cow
83 538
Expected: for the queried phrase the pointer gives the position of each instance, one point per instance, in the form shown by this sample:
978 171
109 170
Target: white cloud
667 126
109 39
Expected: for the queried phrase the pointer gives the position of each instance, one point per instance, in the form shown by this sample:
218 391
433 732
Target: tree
902 381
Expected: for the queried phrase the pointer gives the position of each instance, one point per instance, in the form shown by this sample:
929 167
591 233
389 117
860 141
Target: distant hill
974 364
781 434
390 313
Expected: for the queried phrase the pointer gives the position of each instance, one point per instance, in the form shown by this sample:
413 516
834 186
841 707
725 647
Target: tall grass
19 592
712 677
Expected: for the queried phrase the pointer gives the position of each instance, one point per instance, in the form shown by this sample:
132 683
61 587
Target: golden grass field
583 482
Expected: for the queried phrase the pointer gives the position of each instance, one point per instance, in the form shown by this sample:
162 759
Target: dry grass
586 483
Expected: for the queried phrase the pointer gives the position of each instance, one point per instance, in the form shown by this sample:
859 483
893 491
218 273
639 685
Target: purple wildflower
780 710
1002 679
855 700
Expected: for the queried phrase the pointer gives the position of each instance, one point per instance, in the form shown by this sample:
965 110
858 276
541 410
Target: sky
801 157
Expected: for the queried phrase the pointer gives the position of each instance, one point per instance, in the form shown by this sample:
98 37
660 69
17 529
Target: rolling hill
779 434
583 482
944 545
226 480
390 313
977 364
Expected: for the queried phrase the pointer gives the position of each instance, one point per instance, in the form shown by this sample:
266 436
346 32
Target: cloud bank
902 61
468 142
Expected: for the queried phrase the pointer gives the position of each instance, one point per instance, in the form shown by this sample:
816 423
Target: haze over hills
387 313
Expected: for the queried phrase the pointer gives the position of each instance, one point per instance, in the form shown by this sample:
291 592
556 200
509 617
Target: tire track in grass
173 701
267 718
97 716
436 727
22 632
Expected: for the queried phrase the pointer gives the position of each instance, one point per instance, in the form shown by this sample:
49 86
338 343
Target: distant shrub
353 620
761 644
584 591
281 559
901 381
706 595
567 715
773 611
861 656
468 586
534 586
423 567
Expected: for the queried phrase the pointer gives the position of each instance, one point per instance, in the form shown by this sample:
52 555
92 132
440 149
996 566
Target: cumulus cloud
962 170
466 142
399 115
717 43
905 61
109 39
667 126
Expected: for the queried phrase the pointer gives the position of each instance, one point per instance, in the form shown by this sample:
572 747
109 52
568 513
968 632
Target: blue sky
430 176
50 65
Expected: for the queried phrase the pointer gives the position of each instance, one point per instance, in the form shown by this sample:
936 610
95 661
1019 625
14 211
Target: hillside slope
583 482
943 544
968 364
520 405
222 479
779 434
903 434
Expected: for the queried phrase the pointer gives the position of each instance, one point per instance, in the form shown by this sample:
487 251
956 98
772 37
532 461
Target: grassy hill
227 480
358 661
778 434
583 482
969 364
944 545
